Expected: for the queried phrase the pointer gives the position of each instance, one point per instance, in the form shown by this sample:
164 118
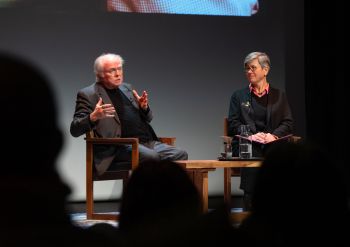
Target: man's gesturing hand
102 111
143 100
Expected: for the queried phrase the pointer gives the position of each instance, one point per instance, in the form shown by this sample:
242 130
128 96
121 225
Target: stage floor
78 216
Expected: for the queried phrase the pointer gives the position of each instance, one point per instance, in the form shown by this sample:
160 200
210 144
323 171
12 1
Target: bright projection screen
191 7
189 65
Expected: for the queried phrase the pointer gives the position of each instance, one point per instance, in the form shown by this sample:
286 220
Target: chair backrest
168 140
91 140
225 126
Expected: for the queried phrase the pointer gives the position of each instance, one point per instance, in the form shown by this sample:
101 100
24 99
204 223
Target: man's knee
149 156
181 155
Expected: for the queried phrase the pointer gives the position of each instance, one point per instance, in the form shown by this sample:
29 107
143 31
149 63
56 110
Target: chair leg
90 214
89 198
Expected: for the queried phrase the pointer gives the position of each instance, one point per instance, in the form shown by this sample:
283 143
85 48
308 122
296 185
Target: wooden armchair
91 174
236 172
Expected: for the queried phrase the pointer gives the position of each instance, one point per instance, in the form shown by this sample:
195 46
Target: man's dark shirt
133 125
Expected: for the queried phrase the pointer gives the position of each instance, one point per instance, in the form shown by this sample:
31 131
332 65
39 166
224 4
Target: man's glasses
252 68
114 70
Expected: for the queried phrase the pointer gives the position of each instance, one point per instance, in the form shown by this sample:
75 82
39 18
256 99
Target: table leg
200 180
227 186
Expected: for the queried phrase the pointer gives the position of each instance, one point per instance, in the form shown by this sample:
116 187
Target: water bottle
245 143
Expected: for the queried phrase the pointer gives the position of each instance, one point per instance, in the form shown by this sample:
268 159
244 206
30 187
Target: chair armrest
168 140
97 140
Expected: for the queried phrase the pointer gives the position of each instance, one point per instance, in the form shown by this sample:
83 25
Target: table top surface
219 163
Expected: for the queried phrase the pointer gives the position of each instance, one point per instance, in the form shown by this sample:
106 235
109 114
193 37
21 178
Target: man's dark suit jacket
87 99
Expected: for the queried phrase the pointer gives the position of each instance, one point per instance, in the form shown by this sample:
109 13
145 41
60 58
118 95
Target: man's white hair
100 61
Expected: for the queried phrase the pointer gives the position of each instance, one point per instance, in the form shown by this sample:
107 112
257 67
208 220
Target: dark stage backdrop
190 65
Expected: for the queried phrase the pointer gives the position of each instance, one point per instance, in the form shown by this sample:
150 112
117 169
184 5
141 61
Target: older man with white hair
111 108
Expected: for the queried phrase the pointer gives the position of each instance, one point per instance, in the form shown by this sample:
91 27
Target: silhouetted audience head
29 122
158 191
161 207
32 140
298 192
298 173
159 202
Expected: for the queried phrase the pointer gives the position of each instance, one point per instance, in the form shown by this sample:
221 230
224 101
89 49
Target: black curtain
325 95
